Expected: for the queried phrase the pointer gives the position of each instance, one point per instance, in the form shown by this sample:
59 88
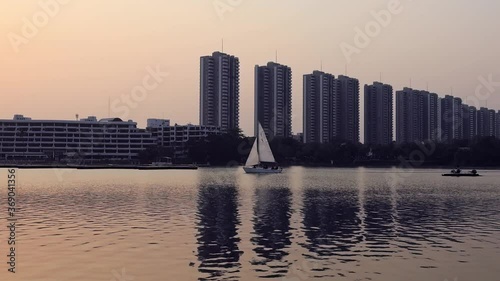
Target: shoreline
98 167
195 167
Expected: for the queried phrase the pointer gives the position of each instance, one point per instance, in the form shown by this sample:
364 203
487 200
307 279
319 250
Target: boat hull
260 170
461 175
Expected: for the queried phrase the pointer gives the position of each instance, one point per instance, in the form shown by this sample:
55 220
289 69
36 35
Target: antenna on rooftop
276 56
76 115
321 65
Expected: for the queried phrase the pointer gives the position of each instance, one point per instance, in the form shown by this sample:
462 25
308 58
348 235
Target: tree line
232 149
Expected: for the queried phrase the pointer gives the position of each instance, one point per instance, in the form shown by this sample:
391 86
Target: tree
154 154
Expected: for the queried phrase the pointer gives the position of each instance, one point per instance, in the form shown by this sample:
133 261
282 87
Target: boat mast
257 137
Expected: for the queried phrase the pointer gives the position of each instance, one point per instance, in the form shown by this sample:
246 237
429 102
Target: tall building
320 107
439 121
273 99
493 122
219 91
486 120
420 117
331 108
348 106
498 125
482 119
409 116
378 114
469 114
430 116
451 122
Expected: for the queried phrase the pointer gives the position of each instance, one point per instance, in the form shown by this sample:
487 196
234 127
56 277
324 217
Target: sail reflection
271 237
217 236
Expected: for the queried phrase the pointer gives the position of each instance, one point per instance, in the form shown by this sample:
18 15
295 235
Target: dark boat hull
461 175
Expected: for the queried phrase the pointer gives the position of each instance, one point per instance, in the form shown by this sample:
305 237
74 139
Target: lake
222 224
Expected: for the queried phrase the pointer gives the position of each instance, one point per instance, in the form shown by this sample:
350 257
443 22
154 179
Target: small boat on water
261 159
461 175
458 173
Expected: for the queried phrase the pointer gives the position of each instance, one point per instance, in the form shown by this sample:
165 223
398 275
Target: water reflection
271 237
217 237
379 221
332 222
305 224
437 218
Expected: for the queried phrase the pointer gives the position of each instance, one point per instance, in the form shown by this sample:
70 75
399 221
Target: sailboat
261 158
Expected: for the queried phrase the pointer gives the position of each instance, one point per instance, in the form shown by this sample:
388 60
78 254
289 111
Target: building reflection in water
272 233
331 222
217 237
379 221
427 220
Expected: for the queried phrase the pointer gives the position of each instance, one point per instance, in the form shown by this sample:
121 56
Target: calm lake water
221 224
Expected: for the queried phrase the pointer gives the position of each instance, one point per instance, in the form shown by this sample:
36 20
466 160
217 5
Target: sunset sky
90 51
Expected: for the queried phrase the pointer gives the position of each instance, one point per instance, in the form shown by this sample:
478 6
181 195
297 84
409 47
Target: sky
142 56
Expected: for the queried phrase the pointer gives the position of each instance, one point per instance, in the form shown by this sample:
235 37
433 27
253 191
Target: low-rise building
79 141
178 137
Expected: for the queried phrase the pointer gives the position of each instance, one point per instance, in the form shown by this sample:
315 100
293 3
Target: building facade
409 116
378 114
486 120
348 107
451 119
331 108
219 91
430 115
273 99
418 116
77 141
497 131
469 114
178 137
320 107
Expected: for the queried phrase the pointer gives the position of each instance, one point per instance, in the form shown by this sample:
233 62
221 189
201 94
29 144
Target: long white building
75 141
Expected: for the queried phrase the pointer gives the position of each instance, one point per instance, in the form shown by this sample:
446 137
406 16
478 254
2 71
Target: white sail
253 158
265 153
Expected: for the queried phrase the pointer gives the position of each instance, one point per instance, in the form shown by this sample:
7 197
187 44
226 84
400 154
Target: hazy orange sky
92 50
